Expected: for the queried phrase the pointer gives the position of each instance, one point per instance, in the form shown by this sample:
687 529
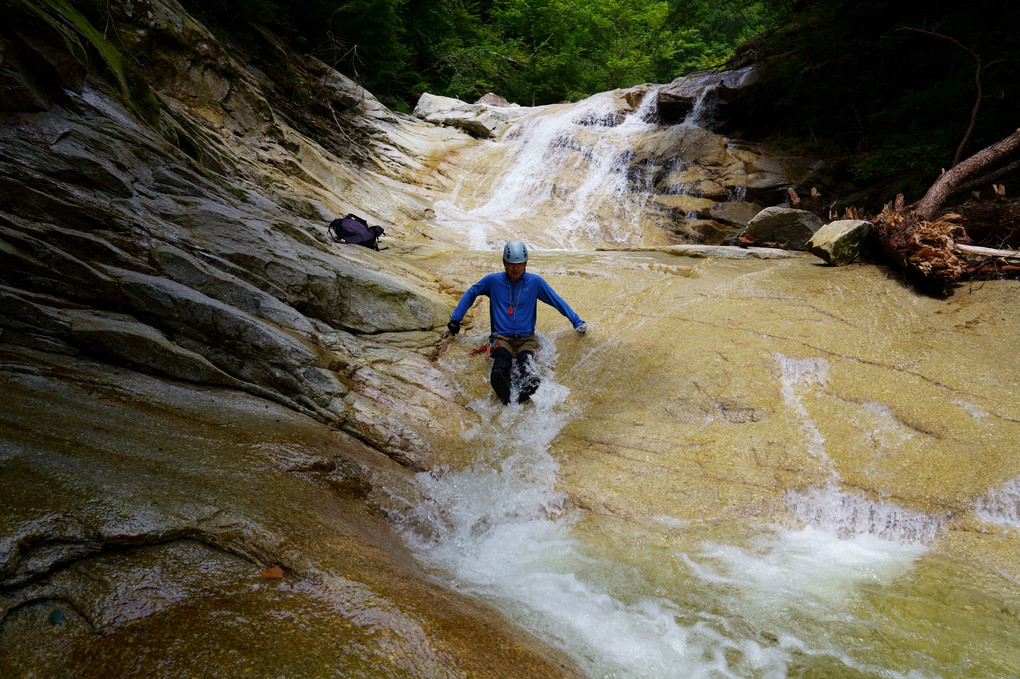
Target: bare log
990 178
949 181
987 252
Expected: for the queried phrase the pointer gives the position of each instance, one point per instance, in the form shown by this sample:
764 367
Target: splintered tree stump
927 247
920 241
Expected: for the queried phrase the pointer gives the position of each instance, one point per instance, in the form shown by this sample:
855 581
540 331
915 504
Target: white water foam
807 566
801 587
806 583
1001 505
499 528
798 378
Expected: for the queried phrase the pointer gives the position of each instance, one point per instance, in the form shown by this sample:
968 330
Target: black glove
454 327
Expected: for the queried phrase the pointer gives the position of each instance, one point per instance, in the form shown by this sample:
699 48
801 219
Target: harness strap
486 348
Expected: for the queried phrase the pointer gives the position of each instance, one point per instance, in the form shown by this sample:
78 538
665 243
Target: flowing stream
822 569
832 592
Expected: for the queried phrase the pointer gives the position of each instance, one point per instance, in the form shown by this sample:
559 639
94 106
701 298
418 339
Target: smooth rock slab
139 514
480 120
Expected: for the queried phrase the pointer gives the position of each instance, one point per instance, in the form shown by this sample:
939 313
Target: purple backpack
356 231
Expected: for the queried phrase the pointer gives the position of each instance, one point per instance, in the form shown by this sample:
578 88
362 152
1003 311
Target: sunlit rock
493 99
481 120
679 98
841 242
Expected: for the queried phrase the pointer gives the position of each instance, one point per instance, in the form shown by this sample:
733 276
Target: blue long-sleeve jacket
513 307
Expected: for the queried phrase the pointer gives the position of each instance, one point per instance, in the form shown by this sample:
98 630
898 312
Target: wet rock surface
140 514
199 386
732 381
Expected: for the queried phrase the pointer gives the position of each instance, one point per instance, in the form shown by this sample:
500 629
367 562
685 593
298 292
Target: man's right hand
454 327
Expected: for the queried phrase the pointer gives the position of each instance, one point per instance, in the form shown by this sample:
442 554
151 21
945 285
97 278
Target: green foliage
530 51
897 157
712 29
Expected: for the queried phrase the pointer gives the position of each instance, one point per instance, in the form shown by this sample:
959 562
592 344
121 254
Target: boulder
784 225
841 242
430 104
478 120
733 212
679 98
493 100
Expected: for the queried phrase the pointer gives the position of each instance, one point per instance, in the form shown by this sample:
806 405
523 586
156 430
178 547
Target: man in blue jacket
513 307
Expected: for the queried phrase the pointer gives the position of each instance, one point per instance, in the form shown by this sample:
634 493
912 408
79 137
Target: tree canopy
529 51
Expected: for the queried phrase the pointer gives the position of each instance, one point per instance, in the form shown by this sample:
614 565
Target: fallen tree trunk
916 241
949 181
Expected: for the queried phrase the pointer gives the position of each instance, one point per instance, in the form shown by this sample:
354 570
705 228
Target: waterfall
567 168
577 176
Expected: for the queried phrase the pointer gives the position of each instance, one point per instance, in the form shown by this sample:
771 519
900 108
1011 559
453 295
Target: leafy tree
633 38
543 52
453 49
531 51
568 49
713 29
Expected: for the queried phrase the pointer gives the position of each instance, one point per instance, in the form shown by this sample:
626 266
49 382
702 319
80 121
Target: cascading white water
753 607
567 180
1002 505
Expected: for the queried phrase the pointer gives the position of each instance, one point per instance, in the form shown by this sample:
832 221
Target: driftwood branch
987 252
